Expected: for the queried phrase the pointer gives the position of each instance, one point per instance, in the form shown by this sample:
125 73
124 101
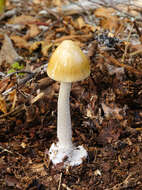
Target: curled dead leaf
3 106
109 20
20 42
8 54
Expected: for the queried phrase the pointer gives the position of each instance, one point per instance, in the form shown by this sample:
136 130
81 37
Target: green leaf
16 67
10 71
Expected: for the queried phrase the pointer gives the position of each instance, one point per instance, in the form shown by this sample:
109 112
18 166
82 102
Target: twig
59 186
22 107
53 13
40 23
2 74
136 52
8 14
26 79
72 37
123 184
6 150
22 81
66 187
138 31
115 62
126 47
17 72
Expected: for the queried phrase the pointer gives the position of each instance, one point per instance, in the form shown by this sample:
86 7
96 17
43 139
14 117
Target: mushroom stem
64 129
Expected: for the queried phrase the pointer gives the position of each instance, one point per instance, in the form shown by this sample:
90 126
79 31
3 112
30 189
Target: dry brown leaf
20 42
109 21
33 31
37 1
45 48
4 84
91 27
58 3
82 38
104 12
79 23
8 53
27 20
23 19
3 106
39 168
35 45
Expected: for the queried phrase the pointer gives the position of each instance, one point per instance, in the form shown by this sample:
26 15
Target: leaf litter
106 108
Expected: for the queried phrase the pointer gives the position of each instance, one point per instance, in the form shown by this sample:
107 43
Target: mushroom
67 64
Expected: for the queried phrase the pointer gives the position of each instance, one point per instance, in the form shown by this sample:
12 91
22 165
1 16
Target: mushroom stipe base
70 157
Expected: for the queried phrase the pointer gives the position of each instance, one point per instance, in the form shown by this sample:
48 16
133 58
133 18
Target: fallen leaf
109 20
3 84
23 19
110 133
104 12
3 106
45 47
8 53
28 21
35 45
79 23
33 31
20 42
11 181
39 168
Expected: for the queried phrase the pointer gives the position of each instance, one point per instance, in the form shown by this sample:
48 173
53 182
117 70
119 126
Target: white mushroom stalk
64 149
64 130
67 64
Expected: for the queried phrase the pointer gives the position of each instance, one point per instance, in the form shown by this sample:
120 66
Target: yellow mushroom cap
68 63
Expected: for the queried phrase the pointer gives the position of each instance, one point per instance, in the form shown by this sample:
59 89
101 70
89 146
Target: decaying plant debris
106 108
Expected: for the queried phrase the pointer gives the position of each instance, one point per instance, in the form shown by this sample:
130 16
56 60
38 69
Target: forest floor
106 108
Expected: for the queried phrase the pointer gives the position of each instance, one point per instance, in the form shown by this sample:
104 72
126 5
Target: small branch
59 186
17 72
26 79
126 47
115 62
2 74
136 52
8 14
6 150
138 31
123 184
73 37
66 187
22 107
22 81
